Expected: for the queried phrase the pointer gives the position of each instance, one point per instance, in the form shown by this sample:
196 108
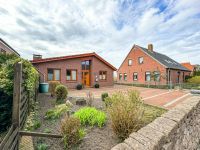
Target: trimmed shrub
96 85
91 116
61 93
126 113
71 131
104 96
52 87
56 112
79 86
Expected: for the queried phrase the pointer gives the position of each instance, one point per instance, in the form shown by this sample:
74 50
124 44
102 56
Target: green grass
42 146
56 112
151 113
91 116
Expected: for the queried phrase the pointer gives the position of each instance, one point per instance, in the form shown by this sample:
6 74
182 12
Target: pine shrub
61 93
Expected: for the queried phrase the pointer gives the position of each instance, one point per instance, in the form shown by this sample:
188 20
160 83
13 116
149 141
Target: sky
108 27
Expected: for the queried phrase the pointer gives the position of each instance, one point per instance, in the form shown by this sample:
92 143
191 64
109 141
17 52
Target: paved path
158 97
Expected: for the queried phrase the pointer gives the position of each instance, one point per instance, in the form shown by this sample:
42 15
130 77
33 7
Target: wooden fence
19 111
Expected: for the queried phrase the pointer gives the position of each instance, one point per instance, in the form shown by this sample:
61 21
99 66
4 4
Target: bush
56 112
30 76
52 87
126 113
79 86
96 85
91 116
71 131
104 96
194 80
5 107
61 93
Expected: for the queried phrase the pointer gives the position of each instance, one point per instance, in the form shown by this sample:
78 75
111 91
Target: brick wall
149 65
2 46
178 129
96 66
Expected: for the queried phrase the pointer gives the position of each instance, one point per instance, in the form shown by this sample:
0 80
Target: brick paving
157 97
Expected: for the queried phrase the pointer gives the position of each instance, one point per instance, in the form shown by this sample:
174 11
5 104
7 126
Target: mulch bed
95 139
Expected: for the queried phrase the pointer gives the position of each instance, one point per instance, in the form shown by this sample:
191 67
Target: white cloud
110 28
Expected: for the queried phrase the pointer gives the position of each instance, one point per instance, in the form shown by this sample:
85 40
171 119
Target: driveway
157 97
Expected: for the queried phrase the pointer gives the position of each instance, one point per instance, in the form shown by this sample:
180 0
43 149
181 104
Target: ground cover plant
71 131
128 113
91 116
56 112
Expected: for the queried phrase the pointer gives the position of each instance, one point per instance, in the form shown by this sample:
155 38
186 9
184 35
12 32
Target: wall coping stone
157 134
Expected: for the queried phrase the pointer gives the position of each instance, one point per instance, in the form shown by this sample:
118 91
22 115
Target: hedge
7 62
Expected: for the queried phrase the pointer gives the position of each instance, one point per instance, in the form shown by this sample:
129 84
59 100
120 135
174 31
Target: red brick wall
149 64
96 65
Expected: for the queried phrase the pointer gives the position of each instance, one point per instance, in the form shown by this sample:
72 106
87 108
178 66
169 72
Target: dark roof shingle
165 60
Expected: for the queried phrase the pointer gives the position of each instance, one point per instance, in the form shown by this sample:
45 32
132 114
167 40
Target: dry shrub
71 131
126 113
52 87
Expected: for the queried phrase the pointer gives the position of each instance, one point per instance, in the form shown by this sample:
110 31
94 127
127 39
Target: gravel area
95 139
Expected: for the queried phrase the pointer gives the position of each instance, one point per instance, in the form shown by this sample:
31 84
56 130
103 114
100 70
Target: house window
53 74
120 76
130 62
85 65
102 75
147 76
135 76
125 76
156 76
71 75
140 60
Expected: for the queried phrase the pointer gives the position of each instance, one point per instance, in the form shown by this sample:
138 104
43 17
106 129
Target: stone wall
178 129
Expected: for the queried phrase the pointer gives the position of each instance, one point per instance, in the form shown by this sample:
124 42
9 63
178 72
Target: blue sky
109 28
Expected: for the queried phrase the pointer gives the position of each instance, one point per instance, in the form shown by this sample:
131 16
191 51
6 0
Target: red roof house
86 69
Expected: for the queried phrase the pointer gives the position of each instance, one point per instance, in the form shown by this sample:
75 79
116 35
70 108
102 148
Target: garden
88 123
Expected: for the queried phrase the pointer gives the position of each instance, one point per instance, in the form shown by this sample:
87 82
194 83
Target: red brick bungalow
145 66
86 69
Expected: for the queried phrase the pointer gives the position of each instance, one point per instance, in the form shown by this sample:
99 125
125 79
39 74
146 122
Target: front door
86 78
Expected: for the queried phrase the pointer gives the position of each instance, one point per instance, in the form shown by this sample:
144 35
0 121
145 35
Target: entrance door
86 78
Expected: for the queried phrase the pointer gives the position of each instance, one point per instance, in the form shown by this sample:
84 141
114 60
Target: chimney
37 57
150 47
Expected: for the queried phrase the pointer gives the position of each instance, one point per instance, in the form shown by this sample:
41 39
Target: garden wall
177 129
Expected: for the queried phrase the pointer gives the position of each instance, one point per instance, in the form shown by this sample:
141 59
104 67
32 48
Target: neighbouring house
145 66
189 66
86 69
7 49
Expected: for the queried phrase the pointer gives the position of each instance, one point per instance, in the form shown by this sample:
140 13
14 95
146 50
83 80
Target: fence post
17 94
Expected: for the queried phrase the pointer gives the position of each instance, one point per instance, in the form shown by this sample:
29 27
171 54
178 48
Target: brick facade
75 64
5 48
149 64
